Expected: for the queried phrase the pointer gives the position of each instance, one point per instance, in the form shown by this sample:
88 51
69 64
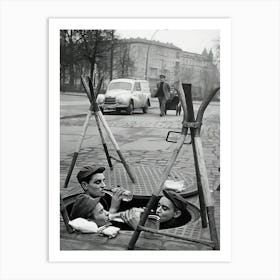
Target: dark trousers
162 102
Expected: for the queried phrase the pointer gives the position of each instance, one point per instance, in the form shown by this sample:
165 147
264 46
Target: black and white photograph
140 139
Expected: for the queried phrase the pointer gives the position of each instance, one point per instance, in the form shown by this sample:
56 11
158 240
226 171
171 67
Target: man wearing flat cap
163 93
92 180
90 209
171 209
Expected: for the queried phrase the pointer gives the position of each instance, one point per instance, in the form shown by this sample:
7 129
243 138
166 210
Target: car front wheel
130 108
146 107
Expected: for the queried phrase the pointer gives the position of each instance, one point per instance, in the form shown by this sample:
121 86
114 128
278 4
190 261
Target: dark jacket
165 88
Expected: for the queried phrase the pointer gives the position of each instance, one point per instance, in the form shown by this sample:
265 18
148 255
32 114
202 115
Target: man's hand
116 199
132 216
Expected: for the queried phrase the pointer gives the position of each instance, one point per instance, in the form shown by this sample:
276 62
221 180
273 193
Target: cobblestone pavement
141 138
142 142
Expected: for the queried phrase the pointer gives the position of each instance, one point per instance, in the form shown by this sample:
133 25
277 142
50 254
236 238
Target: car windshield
120 85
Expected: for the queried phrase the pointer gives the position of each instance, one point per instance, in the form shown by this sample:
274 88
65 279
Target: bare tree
216 58
69 56
95 45
124 64
83 49
112 54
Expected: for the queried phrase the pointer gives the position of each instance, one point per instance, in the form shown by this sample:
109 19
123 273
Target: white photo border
221 24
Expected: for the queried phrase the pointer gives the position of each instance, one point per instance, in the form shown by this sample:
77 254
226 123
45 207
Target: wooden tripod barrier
78 148
206 199
200 166
107 128
186 93
208 193
92 98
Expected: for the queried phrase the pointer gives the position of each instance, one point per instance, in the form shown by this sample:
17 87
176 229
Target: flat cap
89 170
176 199
83 206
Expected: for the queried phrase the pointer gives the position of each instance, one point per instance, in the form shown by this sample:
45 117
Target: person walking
163 93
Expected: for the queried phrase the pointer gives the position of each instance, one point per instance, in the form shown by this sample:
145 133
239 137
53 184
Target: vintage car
126 94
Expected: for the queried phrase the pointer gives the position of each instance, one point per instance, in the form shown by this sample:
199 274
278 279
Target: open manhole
147 178
192 212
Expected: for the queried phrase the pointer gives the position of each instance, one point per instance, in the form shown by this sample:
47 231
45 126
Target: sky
188 40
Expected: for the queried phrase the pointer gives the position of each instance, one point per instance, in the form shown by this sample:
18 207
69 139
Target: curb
73 116
83 115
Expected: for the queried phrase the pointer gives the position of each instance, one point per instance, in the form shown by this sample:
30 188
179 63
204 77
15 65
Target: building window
137 86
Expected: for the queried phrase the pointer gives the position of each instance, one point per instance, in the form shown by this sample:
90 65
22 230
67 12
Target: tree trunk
112 56
71 72
62 77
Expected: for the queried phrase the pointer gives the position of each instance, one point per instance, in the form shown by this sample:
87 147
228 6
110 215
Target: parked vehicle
126 94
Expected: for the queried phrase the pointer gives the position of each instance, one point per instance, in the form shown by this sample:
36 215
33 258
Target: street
141 138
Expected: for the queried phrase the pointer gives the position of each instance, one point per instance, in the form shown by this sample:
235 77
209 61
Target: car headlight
100 99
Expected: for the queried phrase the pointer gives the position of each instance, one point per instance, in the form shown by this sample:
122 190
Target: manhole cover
147 179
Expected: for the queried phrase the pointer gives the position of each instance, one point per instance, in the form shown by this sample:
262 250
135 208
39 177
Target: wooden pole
143 218
202 179
202 175
78 148
208 193
65 216
190 118
103 142
200 241
157 191
116 146
85 126
93 97
106 127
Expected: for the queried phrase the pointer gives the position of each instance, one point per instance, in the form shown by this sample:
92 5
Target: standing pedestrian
163 93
